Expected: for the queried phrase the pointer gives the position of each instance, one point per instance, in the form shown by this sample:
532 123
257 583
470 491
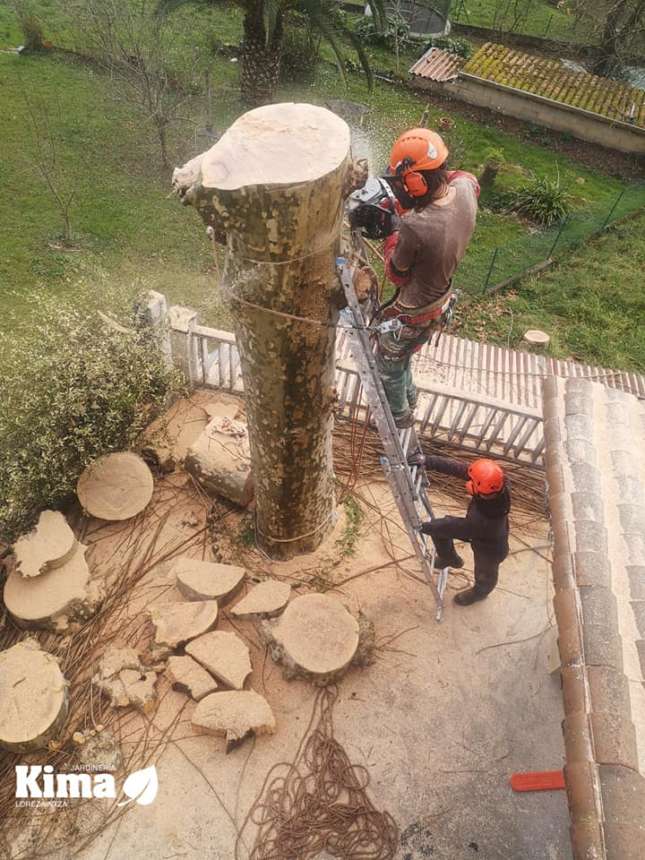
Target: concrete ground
440 721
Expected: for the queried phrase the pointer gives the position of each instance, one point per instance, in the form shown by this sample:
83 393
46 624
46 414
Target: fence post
490 269
184 345
563 224
152 311
613 208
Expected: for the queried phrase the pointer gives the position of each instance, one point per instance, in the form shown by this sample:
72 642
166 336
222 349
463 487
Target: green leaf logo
141 786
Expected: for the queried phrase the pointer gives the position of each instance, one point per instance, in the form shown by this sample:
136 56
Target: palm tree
263 28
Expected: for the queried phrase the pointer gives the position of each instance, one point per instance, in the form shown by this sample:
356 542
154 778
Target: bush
71 390
300 50
395 31
32 33
543 201
461 47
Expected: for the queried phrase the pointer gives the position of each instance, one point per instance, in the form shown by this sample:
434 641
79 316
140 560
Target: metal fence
526 17
481 272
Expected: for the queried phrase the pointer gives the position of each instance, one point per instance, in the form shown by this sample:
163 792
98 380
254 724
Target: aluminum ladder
408 483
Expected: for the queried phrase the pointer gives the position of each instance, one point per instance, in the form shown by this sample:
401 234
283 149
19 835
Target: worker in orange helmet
485 525
438 209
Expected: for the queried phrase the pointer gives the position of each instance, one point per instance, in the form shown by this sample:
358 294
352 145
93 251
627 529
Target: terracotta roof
551 79
595 466
437 65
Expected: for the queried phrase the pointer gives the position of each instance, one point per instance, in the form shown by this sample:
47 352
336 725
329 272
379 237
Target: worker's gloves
417 458
426 528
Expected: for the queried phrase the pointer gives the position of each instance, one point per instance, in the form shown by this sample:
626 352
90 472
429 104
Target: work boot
404 419
470 595
453 560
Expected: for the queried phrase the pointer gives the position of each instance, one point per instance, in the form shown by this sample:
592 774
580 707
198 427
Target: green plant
393 34
263 27
300 50
543 201
461 47
70 391
354 518
494 159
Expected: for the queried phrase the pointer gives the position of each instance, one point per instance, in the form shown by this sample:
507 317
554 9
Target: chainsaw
373 209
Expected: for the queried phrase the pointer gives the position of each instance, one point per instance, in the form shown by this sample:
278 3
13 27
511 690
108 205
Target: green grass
591 304
541 19
131 235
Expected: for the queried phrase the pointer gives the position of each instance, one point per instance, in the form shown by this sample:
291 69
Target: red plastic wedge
538 780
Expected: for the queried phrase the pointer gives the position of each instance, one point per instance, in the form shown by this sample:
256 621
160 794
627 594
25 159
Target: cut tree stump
315 637
275 182
33 692
115 486
47 546
207 580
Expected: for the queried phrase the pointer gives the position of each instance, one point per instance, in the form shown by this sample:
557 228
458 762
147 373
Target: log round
115 486
318 635
34 698
276 180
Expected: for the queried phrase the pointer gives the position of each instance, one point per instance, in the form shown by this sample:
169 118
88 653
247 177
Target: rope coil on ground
321 802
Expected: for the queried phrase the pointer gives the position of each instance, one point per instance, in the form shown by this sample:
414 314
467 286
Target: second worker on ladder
439 210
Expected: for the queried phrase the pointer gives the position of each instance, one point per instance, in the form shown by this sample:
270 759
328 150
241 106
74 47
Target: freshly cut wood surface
116 486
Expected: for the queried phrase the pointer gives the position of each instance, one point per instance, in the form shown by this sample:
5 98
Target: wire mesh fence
527 18
509 261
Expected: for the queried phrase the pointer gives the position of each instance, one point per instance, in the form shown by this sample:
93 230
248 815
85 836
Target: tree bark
276 180
259 61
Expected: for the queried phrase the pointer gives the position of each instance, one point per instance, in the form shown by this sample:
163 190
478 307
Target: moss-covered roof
552 80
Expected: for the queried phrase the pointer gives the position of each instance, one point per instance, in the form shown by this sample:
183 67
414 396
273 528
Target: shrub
396 31
543 201
300 50
71 390
32 33
494 160
461 47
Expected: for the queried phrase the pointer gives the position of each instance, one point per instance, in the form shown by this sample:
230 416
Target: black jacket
485 525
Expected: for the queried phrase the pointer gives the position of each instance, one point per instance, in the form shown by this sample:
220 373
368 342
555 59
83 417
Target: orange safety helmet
415 150
486 478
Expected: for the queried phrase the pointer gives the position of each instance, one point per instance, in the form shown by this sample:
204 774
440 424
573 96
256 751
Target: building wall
541 111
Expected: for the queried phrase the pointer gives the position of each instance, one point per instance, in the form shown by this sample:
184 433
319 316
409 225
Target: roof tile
588 506
603 646
551 79
591 568
591 537
636 574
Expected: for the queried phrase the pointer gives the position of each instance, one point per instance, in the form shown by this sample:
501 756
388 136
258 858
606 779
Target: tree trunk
259 61
276 179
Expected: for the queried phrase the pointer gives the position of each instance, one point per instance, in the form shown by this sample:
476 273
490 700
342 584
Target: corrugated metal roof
551 79
437 65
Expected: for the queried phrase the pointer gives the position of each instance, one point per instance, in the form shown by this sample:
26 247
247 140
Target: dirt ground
441 719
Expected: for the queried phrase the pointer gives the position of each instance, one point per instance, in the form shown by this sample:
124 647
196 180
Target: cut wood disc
317 634
48 545
116 486
33 692
39 601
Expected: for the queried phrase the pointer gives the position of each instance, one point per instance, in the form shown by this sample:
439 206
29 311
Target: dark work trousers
486 563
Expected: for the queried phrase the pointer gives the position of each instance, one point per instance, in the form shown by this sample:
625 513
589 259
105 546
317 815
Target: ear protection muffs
414 183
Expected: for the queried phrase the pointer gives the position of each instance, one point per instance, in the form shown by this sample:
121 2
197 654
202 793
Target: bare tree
46 155
622 30
135 46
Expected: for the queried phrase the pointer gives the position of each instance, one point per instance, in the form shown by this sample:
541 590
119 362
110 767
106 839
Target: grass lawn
532 17
131 236
592 303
